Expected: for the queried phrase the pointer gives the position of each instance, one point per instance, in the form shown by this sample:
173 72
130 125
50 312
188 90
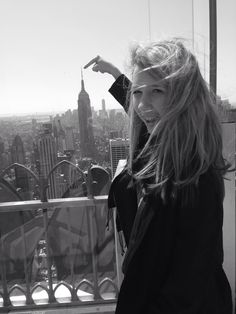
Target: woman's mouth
151 119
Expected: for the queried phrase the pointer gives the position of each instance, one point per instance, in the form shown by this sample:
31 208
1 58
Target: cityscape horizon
54 112
62 111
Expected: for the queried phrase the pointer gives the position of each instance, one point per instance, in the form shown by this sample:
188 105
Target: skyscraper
21 177
118 150
104 114
87 145
69 137
2 150
48 158
1 146
17 151
61 138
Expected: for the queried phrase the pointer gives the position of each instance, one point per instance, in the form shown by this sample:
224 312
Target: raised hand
103 66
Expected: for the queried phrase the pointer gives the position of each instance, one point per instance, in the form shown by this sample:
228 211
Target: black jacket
177 266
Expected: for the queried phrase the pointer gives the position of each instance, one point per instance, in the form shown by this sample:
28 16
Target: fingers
94 60
97 68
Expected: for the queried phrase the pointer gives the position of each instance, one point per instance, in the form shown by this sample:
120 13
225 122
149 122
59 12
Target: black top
176 267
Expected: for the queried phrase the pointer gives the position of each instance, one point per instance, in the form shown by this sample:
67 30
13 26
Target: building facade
21 176
119 149
47 158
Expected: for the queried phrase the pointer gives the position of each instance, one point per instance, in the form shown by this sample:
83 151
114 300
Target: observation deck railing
56 254
63 257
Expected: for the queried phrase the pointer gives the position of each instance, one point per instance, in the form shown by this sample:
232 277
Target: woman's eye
157 90
136 92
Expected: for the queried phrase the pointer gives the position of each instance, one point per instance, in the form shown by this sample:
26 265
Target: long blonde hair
187 141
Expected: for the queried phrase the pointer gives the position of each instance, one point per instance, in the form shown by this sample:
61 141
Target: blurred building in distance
21 176
47 158
119 149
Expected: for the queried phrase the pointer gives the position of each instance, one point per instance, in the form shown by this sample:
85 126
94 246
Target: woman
169 199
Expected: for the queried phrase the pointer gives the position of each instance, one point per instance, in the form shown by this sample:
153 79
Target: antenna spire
82 80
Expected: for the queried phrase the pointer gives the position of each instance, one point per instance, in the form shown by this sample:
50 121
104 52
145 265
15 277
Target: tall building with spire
87 145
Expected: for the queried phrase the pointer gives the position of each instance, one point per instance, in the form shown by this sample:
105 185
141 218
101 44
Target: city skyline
45 44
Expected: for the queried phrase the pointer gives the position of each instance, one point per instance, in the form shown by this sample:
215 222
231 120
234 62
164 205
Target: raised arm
103 66
120 88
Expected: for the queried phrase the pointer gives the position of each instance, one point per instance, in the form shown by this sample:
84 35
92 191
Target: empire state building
87 144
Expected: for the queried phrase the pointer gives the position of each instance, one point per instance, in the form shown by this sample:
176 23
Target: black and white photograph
117 156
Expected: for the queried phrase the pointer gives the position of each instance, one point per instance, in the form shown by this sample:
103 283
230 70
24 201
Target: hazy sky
44 43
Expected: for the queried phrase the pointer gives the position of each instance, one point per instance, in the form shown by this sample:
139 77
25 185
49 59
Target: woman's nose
145 103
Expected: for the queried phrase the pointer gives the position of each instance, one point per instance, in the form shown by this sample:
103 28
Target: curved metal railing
75 223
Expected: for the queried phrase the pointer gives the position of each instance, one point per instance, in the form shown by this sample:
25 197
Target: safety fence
59 254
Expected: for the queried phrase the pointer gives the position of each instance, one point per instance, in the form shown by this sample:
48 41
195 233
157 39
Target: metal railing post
93 248
93 244
29 299
6 298
48 257
74 296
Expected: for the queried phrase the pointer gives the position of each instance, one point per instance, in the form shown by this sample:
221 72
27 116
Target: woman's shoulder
209 190
211 180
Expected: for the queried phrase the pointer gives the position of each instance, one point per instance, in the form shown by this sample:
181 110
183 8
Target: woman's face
148 97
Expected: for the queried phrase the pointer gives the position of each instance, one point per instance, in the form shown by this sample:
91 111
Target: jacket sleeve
120 91
196 255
